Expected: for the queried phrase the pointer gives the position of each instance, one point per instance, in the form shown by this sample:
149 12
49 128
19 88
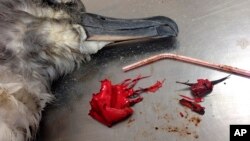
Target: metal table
213 30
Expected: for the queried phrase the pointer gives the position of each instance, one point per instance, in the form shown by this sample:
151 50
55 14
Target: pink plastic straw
220 67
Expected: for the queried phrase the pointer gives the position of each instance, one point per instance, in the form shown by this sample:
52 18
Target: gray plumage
38 43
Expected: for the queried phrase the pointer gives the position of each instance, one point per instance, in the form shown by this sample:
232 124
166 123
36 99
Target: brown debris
195 120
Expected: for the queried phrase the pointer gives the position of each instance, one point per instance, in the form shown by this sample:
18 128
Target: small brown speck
186 114
181 114
195 120
196 136
130 121
156 128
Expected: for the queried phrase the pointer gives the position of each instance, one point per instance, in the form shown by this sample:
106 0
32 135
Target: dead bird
40 40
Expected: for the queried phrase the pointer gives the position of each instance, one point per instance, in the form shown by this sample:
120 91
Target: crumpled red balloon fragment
113 103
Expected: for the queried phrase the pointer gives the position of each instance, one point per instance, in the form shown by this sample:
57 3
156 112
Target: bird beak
100 28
